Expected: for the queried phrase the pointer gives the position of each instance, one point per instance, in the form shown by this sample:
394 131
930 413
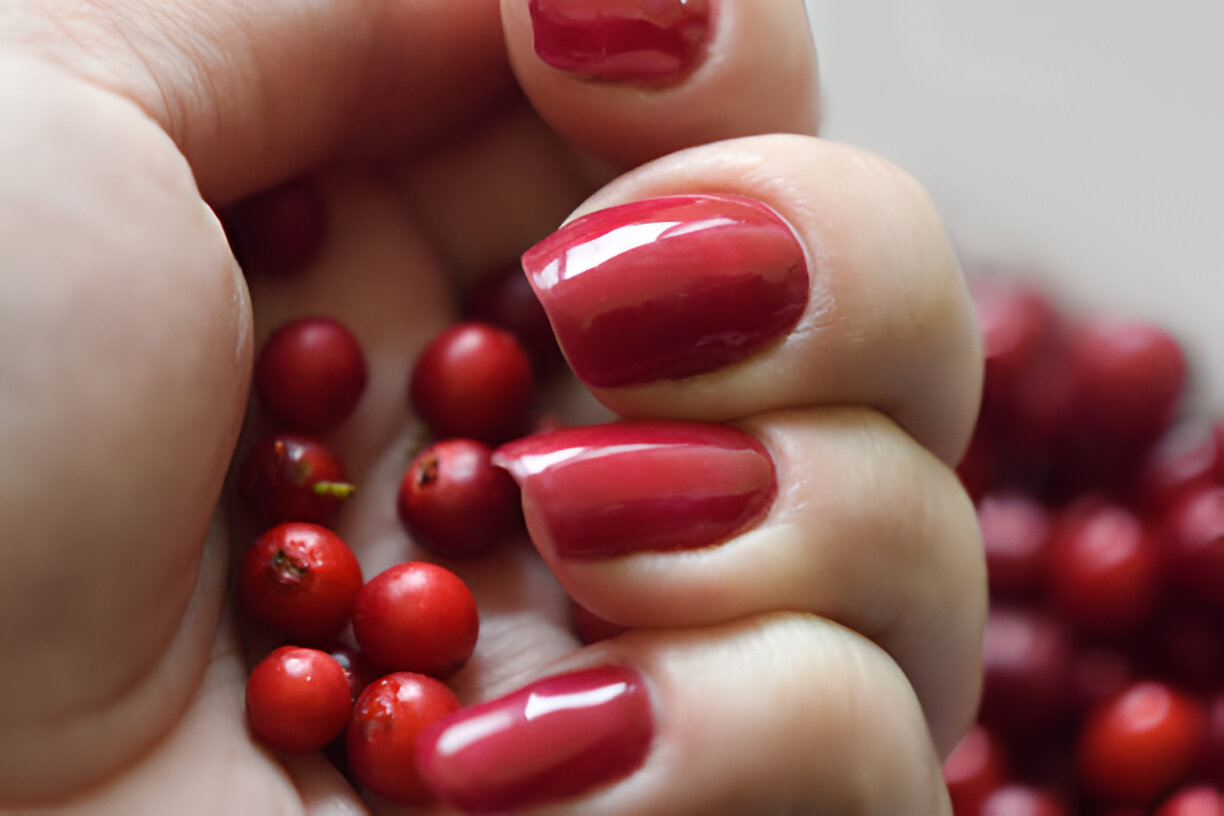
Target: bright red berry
297 699
291 477
1104 568
310 374
455 502
976 767
278 231
416 617
382 732
301 580
474 381
1139 744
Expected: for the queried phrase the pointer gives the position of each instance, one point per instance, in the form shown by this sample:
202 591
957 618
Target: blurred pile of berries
1102 511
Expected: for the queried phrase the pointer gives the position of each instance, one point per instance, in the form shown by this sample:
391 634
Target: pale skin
838 640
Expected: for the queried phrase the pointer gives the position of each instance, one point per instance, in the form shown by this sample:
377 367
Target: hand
822 660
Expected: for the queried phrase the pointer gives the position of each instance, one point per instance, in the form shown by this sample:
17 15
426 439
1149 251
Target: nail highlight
608 490
669 287
553 739
621 39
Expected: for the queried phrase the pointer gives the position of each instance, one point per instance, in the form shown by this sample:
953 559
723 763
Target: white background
1081 140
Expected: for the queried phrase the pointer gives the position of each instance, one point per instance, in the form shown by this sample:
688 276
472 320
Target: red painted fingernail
621 39
669 287
607 490
553 739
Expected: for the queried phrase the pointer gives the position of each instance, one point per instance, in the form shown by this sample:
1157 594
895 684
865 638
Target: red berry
1026 665
1141 743
1194 540
1186 459
310 374
278 231
416 617
382 732
591 628
474 381
1018 325
1098 674
1210 765
504 298
301 580
1022 800
358 670
1200 800
976 766
1129 379
1016 535
290 477
1104 568
455 503
297 699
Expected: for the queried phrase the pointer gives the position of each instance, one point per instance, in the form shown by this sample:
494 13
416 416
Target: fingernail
607 490
553 739
669 287
621 39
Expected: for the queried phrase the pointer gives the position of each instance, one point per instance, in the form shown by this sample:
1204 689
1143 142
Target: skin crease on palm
434 168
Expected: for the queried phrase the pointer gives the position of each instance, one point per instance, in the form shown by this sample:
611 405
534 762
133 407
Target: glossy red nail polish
621 39
669 287
556 738
607 490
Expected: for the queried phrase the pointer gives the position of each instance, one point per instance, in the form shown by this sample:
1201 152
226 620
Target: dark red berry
310 374
297 699
291 477
1104 568
278 231
1194 546
358 670
382 733
1022 800
1026 665
504 298
1129 379
301 580
591 628
1185 460
976 767
416 617
474 381
455 502
1199 800
1139 744
1016 534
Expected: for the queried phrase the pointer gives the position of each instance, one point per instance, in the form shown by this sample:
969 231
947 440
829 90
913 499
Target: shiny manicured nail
669 287
621 39
607 490
553 739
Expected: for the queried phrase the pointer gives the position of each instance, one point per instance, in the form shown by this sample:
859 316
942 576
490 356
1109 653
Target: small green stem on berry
337 490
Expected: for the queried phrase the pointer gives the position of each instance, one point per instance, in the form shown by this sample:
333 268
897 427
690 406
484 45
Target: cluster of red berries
412 626
1102 512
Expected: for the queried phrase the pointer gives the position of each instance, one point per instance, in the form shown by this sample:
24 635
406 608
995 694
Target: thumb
253 93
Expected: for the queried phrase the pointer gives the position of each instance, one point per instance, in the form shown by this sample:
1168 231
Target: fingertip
631 81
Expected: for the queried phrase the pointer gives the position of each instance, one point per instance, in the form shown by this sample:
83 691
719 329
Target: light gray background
1080 139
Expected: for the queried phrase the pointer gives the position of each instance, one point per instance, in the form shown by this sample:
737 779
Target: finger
781 714
124 364
631 81
813 274
255 94
836 512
